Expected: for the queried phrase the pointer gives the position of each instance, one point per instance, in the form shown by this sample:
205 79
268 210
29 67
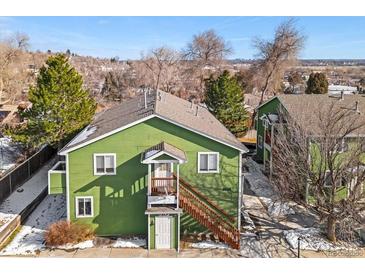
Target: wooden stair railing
208 214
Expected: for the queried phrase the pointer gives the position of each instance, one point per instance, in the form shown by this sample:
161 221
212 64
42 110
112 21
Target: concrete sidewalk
103 252
106 252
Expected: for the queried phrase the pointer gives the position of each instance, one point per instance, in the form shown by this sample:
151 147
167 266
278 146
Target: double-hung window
104 164
84 207
208 162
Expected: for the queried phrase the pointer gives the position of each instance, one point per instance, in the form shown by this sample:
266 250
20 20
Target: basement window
105 164
208 162
84 207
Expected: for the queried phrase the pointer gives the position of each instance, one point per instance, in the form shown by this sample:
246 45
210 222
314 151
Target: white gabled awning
157 153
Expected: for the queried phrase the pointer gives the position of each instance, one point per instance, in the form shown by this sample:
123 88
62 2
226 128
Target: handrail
208 201
218 216
163 178
205 215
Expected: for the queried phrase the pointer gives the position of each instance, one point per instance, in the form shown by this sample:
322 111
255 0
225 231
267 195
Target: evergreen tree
60 106
224 98
317 84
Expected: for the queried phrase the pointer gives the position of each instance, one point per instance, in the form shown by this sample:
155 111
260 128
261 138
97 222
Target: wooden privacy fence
17 176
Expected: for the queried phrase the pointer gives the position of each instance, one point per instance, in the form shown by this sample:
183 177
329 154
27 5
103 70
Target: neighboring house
302 108
157 166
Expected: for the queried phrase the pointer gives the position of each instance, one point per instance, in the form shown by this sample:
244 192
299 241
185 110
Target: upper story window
208 162
105 164
84 207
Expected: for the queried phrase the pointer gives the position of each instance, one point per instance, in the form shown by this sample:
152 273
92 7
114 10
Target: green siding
57 184
120 200
269 107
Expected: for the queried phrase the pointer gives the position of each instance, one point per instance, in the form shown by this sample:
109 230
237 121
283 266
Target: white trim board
77 209
207 153
141 121
151 159
68 188
105 173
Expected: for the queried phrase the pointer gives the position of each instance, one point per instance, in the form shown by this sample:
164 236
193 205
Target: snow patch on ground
259 183
81 245
4 218
262 188
209 245
278 209
311 239
30 238
9 153
134 242
248 224
31 189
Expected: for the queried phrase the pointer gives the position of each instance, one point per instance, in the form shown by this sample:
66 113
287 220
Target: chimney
159 95
197 110
145 99
342 95
357 107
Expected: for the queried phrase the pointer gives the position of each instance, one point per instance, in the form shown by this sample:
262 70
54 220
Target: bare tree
276 56
10 51
317 161
162 63
118 85
207 49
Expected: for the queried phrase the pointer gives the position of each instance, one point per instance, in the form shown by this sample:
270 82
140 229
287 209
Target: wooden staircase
208 214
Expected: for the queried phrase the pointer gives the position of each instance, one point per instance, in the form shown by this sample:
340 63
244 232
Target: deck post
149 231
178 232
177 184
149 180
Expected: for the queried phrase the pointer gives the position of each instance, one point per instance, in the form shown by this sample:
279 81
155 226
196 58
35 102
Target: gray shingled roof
164 147
305 108
164 105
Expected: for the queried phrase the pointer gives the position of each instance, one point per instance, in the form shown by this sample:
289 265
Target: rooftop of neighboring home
307 108
151 104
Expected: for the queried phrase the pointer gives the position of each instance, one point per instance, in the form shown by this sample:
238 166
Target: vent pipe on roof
145 99
159 95
357 107
197 110
191 104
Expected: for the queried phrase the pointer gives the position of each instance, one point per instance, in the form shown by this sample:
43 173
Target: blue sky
127 37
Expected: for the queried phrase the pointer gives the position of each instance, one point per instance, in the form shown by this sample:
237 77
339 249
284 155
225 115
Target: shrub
65 232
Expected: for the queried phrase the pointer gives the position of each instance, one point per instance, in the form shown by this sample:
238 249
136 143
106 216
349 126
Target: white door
162 232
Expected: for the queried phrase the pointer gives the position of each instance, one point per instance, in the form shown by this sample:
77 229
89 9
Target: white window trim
208 171
105 154
77 206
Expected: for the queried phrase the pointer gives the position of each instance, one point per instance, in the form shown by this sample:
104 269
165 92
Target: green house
303 108
155 166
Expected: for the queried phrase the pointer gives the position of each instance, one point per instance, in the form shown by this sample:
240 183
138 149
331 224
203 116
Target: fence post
28 164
